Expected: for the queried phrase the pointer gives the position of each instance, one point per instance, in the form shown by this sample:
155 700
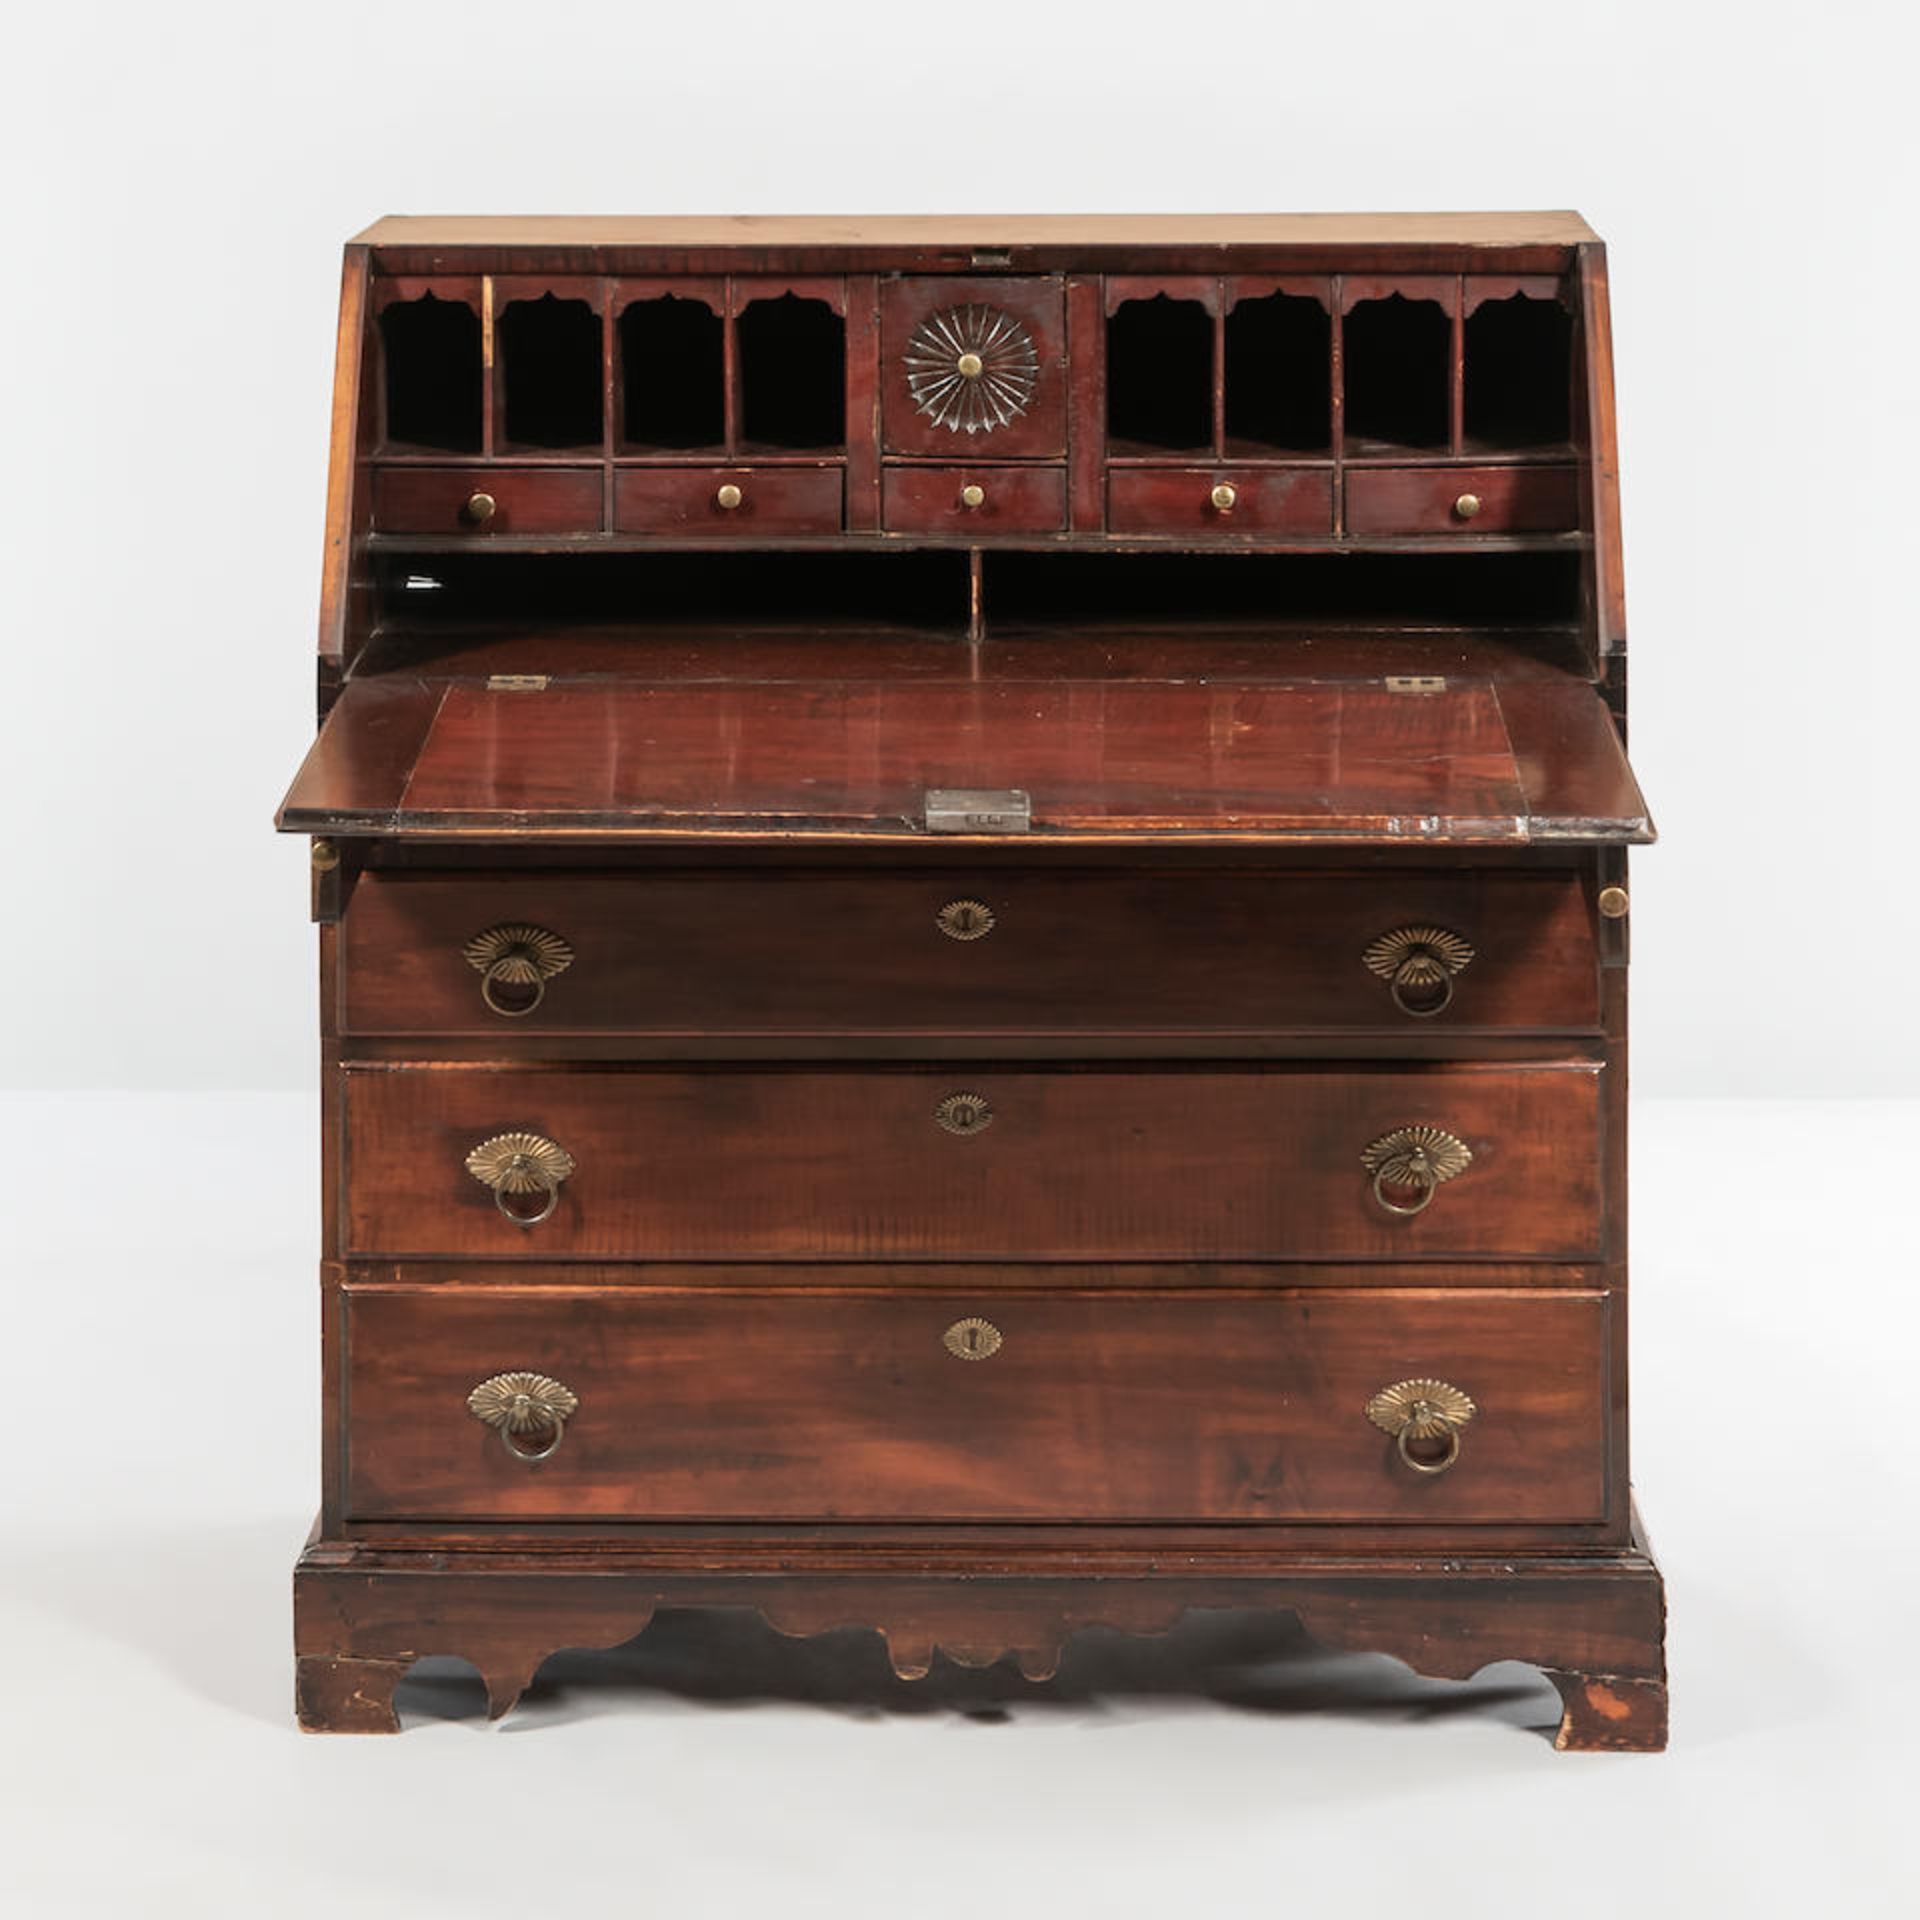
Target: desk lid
1458 760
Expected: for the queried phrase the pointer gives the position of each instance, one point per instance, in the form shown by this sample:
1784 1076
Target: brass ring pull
1417 1413
1423 1184
1419 1159
532 1404
1419 964
515 962
515 1165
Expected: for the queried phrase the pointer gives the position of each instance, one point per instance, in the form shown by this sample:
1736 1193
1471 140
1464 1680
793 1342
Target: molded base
1593 1622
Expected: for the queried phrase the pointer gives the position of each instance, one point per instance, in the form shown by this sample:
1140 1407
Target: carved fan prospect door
973 368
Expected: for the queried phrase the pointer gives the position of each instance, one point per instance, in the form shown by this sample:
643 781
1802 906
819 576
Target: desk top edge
1488 229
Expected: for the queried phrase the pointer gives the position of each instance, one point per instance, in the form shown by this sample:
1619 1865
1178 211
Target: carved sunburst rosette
972 369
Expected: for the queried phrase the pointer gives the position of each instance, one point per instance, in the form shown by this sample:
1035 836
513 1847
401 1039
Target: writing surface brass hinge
1416 683
516 683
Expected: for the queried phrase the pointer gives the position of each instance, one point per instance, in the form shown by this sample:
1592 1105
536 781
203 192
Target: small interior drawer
1219 500
727 500
975 499
487 500
1463 500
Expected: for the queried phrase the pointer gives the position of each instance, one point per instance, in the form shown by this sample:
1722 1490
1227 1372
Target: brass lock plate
978 810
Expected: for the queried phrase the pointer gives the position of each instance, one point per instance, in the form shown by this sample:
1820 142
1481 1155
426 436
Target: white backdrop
180 178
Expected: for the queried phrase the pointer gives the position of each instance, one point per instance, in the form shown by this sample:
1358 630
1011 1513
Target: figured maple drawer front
852 1406
727 500
1462 500
486 500
1218 500
974 1162
1004 953
975 499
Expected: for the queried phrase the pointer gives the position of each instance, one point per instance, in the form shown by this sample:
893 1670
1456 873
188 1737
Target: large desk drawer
973 1161
1019 952
852 1406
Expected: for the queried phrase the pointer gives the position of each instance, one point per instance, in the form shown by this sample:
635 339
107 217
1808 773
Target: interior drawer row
836 1404
753 502
972 1162
789 953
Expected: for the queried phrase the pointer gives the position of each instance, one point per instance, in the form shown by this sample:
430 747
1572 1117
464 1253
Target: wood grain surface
1079 1163
849 1406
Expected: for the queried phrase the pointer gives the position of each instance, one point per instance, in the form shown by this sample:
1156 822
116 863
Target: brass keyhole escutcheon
964 1114
965 920
972 1339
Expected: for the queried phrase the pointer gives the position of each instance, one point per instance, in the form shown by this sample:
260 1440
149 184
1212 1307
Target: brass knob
965 920
728 496
1613 903
964 1113
1419 1412
1416 1160
972 1339
531 1404
1223 496
970 366
973 495
1467 505
1418 964
515 962
515 1165
480 508
325 856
